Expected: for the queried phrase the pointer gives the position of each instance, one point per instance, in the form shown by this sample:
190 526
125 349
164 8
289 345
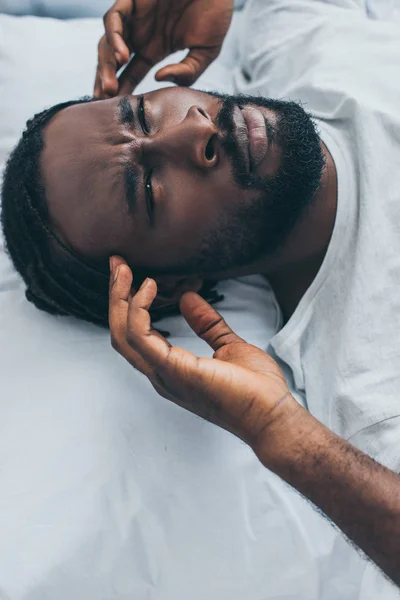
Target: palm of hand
236 389
158 28
240 389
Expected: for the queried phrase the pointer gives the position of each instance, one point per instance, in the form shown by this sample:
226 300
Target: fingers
130 325
150 344
114 20
98 89
106 83
120 288
119 298
190 68
133 73
206 322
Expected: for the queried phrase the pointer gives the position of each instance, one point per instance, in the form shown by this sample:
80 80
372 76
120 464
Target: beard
260 228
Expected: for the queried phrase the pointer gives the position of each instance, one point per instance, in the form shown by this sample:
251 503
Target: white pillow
63 9
108 491
60 9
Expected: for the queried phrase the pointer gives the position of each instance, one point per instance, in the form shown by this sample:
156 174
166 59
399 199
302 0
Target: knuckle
106 17
115 342
210 322
101 47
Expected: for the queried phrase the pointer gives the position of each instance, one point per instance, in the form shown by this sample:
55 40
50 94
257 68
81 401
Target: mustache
229 142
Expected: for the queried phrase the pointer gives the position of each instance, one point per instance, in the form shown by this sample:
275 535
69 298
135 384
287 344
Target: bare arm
358 494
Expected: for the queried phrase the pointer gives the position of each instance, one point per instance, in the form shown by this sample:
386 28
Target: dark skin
144 32
192 186
241 388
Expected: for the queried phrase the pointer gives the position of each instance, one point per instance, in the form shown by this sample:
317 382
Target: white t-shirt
342 343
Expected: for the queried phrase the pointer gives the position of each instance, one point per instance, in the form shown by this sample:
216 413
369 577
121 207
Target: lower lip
257 131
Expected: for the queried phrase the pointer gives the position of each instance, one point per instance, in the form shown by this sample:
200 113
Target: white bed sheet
107 491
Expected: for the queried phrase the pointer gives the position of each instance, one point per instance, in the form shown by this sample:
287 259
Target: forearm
358 494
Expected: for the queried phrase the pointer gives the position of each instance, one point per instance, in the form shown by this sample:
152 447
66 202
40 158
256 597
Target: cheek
194 206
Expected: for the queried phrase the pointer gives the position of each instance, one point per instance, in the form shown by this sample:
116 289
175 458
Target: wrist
282 440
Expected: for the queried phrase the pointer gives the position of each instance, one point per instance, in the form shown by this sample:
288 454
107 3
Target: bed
107 491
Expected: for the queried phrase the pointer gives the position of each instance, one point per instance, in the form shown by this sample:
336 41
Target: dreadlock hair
58 280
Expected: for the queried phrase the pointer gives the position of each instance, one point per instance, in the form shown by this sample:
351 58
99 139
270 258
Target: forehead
81 163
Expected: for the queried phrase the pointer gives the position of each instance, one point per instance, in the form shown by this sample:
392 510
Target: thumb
206 322
190 68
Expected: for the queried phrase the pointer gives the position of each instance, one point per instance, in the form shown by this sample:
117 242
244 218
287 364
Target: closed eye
142 116
148 188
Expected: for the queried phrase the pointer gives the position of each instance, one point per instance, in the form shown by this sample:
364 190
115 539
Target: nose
194 141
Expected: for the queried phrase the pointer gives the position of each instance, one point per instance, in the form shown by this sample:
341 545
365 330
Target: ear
171 288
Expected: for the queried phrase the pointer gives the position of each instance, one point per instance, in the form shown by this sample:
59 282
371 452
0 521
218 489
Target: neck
302 257
292 270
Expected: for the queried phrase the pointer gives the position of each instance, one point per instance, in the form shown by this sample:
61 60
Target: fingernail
145 283
116 272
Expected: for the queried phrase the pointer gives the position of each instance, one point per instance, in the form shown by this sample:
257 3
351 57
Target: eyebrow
125 112
126 117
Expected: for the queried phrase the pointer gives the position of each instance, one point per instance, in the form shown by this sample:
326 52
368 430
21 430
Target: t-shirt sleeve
298 27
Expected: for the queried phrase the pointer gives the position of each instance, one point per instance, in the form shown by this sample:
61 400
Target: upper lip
241 135
257 135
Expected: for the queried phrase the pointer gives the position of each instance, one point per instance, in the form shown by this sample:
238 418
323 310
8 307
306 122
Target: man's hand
241 388
153 29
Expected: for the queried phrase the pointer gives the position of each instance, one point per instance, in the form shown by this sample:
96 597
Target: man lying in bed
190 187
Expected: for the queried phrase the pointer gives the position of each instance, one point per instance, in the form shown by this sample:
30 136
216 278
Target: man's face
179 180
